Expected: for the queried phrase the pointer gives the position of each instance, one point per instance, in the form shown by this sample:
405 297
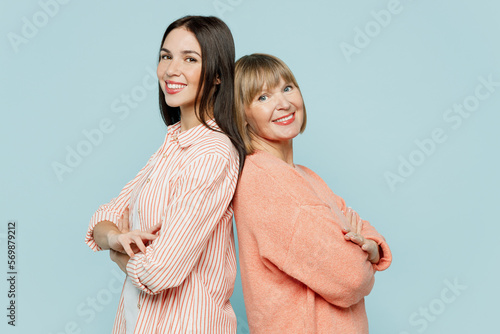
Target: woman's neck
189 119
281 149
189 122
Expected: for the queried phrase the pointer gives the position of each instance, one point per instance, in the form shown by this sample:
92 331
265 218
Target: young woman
306 259
178 251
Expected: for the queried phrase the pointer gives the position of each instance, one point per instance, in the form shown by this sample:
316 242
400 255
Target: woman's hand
353 234
130 242
367 245
354 222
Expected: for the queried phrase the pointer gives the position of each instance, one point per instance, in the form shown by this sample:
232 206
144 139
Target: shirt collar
191 136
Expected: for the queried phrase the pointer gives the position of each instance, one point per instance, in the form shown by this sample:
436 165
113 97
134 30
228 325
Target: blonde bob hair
252 73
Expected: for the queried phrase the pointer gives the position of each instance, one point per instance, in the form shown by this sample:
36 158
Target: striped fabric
187 274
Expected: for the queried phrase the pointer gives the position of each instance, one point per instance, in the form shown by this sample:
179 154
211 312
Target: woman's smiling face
179 69
276 114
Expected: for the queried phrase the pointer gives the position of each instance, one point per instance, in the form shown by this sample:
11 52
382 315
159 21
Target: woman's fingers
359 223
135 239
367 245
128 249
154 229
352 216
352 220
139 243
366 248
355 221
141 237
148 236
355 238
127 244
347 221
344 221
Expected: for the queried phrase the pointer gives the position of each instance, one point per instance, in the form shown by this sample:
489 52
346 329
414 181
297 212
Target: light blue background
365 113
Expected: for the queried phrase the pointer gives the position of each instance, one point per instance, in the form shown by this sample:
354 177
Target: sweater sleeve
368 231
319 256
202 196
301 236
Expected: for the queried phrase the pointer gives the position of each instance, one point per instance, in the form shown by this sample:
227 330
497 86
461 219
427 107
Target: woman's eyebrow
183 52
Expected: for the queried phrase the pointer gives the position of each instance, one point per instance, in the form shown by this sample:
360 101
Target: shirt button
138 305
139 211
147 180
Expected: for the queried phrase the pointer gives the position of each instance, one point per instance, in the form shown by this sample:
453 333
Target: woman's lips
172 87
285 120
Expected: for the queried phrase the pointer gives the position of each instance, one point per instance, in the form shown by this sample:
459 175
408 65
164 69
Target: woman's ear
217 81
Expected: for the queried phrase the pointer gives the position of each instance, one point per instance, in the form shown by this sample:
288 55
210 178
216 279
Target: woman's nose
282 102
173 68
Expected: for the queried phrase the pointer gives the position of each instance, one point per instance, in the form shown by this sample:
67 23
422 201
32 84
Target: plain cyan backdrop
402 96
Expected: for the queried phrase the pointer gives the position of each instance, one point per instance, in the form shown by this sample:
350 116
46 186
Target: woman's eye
262 98
288 89
165 57
190 60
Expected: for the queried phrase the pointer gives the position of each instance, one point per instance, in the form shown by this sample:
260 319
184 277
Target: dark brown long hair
218 56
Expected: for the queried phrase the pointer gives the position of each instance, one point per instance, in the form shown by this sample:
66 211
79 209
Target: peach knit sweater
299 274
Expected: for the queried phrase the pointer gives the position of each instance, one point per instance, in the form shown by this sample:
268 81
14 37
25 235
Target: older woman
307 261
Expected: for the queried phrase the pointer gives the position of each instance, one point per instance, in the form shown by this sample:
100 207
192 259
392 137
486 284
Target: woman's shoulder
320 186
307 171
214 142
261 162
264 173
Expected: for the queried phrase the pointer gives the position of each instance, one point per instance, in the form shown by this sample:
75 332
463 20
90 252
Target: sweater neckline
295 167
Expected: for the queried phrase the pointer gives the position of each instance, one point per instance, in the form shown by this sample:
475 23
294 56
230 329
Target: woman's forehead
271 83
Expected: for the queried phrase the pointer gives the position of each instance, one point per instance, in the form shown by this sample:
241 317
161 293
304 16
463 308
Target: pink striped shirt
187 274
